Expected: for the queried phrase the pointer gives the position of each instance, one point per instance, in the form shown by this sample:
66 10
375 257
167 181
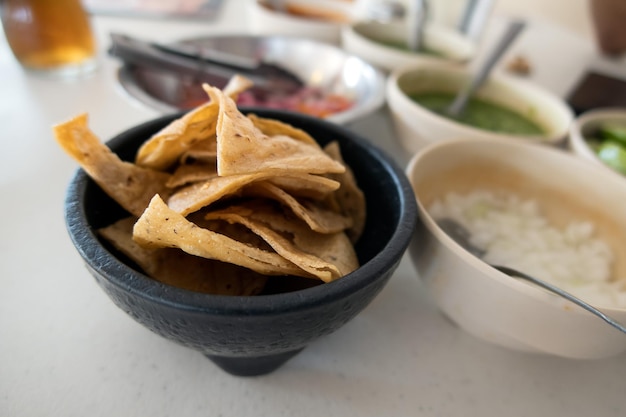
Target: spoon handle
514 29
475 17
416 19
564 294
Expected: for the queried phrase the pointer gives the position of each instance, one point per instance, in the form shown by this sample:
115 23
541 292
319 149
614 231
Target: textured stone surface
234 331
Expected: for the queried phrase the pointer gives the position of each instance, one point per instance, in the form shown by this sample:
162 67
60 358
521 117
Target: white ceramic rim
318 24
464 48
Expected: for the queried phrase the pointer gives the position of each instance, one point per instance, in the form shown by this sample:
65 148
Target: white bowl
589 122
367 39
417 126
487 303
266 21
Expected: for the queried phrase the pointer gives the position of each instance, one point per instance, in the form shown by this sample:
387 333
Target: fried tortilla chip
318 218
327 256
306 186
165 147
161 227
244 149
349 197
335 248
273 127
204 151
196 196
130 186
192 173
179 269
281 244
247 198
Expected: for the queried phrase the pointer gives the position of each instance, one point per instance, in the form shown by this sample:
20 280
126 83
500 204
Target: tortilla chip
349 197
273 127
247 197
236 85
130 186
335 248
192 173
204 152
326 256
318 218
165 147
179 269
280 243
160 227
244 149
315 187
196 196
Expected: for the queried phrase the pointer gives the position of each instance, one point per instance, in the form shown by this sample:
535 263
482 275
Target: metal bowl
316 64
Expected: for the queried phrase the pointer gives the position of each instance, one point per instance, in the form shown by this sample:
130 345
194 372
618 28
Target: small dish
381 44
588 125
317 20
417 126
489 304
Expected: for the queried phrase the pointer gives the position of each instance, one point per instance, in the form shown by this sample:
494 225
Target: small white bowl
368 40
266 21
589 122
487 303
416 126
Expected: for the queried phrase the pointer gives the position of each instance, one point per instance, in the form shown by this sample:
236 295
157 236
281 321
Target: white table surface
66 350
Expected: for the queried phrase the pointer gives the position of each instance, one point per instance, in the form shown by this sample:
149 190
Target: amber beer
49 35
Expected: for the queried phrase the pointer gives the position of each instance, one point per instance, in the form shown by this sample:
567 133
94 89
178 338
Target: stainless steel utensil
333 71
415 21
201 63
460 101
386 10
474 18
462 236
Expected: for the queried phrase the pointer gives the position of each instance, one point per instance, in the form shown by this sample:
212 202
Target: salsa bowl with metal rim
320 66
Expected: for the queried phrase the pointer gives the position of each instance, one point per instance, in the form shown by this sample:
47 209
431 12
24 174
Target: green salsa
398 44
481 114
609 144
402 46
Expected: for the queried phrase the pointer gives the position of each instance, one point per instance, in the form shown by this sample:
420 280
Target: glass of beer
50 36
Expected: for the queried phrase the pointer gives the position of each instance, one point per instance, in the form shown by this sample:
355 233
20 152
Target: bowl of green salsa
505 107
480 113
599 135
384 44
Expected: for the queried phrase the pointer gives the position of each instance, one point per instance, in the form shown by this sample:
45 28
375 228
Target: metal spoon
474 18
386 10
462 236
415 20
458 105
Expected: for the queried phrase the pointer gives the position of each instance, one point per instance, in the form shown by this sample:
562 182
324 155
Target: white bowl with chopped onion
537 209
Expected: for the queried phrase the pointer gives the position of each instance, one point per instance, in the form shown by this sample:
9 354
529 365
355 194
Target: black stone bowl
251 335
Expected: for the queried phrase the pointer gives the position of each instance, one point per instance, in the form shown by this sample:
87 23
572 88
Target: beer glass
50 36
